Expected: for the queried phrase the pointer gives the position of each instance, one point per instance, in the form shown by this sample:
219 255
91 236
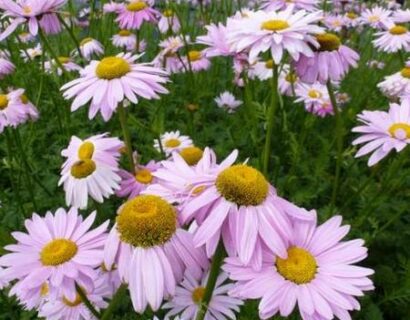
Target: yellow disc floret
144 176
275 25
314 94
146 221
299 267
397 128
83 168
328 41
191 155
398 30
172 143
194 55
269 64
242 185
85 41
86 150
4 101
112 68
198 295
405 72
136 6
168 13
124 33
57 252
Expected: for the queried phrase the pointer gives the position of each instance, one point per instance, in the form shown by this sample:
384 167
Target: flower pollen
398 30
400 131
86 151
112 68
299 267
191 155
4 101
83 168
57 252
198 295
136 6
328 42
144 176
275 25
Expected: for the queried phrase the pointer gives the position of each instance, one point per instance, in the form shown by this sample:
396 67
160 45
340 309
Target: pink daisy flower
67 63
234 202
18 100
90 47
112 7
6 66
11 111
133 184
315 98
189 295
107 82
196 60
375 17
393 39
168 22
383 132
227 101
173 141
277 32
401 16
308 5
318 275
288 81
397 84
331 61
150 251
58 250
74 309
334 22
125 40
35 13
216 41
131 15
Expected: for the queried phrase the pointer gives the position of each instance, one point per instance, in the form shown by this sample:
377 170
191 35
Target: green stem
270 120
72 36
50 50
339 144
114 302
87 302
213 276
122 114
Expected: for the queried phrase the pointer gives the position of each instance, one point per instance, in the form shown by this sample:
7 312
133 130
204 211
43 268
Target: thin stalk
87 302
122 114
270 119
213 276
114 302
72 36
50 50
339 144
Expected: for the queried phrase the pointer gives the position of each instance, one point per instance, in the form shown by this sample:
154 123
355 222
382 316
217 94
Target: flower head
393 38
173 141
226 100
131 15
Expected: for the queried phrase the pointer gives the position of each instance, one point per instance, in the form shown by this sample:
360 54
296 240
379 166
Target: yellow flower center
83 168
400 131
168 13
24 99
44 289
269 64
136 6
398 30
351 15
191 155
146 221
27 9
124 33
291 77
198 295
194 55
63 60
74 303
328 42
86 151
172 143
85 41
144 176
57 252
4 101
112 68
314 94
275 25
405 72
299 267
242 185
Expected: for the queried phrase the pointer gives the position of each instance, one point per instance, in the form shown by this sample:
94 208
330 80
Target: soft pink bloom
334 22
112 7
308 5
397 84
125 40
393 38
195 60
375 17
90 47
6 66
383 132
67 309
150 261
288 81
35 13
169 22
12 113
19 100
133 184
58 250
91 169
188 296
276 32
401 16
318 275
226 100
245 212
131 15
315 98
328 63
216 41
67 63
108 82
173 141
